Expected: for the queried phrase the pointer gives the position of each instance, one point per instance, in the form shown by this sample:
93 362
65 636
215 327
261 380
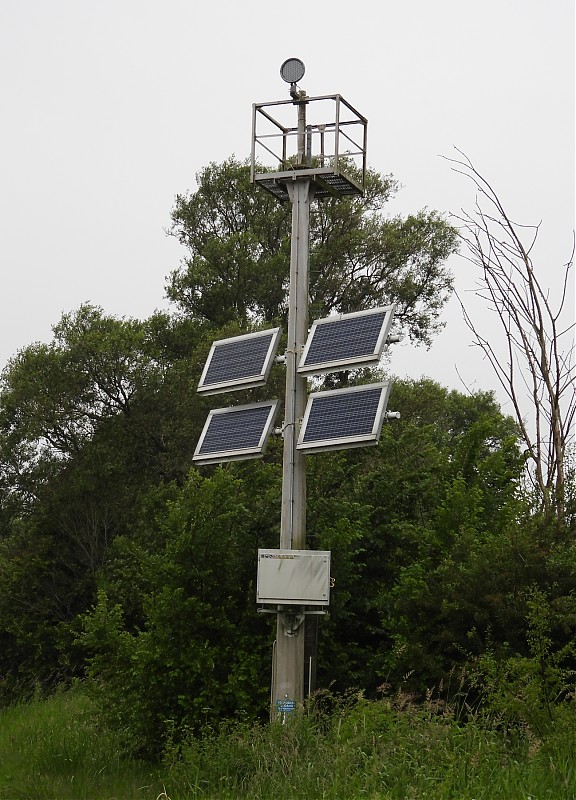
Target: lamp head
292 70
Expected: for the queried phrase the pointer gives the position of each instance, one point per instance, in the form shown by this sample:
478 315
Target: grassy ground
53 749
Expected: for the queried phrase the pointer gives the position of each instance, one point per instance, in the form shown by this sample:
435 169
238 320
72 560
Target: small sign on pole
285 706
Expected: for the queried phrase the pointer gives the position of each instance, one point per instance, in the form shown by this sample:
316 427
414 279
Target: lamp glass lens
292 70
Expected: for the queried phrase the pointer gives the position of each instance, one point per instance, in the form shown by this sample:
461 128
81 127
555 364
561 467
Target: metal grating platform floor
325 183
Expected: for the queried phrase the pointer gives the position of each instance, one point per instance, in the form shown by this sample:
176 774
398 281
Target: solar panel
239 362
344 418
236 433
348 341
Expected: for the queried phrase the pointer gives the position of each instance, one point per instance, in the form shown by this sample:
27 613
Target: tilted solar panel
237 432
344 418
239 362
348 341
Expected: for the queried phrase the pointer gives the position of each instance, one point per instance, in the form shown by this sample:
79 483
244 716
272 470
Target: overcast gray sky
109 109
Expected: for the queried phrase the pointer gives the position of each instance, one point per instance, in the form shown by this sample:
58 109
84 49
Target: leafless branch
538 358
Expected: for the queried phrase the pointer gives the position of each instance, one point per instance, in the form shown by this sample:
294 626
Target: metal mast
319 158
288 680
300 180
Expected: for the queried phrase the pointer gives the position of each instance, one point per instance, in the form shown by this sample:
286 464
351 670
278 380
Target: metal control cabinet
293 577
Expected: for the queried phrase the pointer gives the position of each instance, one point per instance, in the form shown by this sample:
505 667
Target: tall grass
374 750
53 749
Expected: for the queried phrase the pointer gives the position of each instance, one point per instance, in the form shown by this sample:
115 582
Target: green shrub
528 690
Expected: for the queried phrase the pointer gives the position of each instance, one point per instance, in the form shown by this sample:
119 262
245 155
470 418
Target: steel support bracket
291 622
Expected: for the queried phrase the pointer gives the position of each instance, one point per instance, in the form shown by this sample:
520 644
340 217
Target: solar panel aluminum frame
345 442
239 454
245 381
370 358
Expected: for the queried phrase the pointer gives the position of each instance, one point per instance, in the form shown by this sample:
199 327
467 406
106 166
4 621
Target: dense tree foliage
121 561
238 240
435 560
88 423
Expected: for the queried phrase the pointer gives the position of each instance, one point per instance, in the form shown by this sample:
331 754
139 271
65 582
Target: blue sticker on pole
285 706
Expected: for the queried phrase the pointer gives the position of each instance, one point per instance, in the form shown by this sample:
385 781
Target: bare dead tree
539 349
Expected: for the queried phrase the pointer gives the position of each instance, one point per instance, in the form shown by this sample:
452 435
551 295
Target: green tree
443 478
188 649
238 242
54 396
175 635
88 423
